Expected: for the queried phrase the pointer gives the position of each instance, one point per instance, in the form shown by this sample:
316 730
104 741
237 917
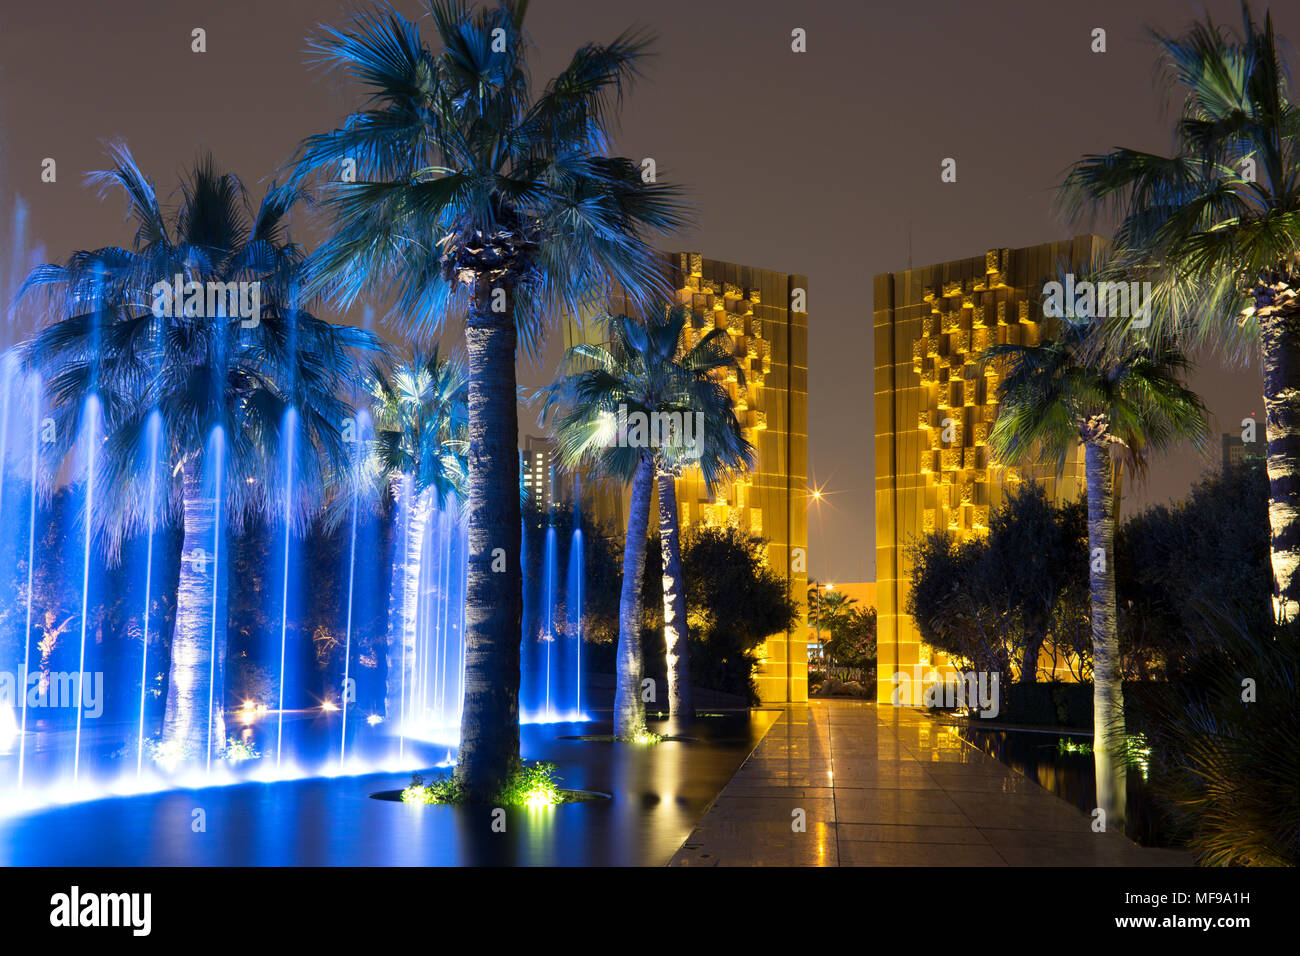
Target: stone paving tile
932 801
793 792
1075 848
1019 811
758 844
917 854
987 784
773 809
895 816
896 782
908 833
888 788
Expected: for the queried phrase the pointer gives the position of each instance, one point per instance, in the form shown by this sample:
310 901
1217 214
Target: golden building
765 314
934 407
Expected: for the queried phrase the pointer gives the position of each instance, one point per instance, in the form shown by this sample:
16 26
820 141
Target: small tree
735 601
853 639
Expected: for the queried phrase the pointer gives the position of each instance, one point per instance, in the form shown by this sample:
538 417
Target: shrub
238 751
531 785
1168 559
1223 759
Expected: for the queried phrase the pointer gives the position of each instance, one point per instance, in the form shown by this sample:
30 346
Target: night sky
882 95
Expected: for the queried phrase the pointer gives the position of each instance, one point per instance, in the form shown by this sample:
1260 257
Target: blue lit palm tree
198 420
418 458
459 190
645 373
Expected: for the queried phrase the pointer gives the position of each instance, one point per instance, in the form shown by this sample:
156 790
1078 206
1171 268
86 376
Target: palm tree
1122 403
418 457
199 416
829 609
1216 227
472 196
606 411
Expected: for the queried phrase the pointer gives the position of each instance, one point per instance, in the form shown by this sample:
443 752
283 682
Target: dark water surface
1049 759
659 793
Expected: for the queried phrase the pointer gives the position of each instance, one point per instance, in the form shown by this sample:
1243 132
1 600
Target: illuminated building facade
765 314
537 472
1236 450
933 410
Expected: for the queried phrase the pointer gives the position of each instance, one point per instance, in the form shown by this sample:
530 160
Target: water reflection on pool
659 793
1063 764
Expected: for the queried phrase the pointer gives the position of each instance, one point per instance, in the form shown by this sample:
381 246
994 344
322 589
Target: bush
531 785
1223 761
1170 559
1048 705
993 602
237 750
734 600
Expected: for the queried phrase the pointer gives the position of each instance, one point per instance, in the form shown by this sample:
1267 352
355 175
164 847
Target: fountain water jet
362 422
574 603
218 443
31 563
88 511
548 610
155 439
290 429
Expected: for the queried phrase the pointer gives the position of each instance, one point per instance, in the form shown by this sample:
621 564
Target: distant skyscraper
1237 449
538 472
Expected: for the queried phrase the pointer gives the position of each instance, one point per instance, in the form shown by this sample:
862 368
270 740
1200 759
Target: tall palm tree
418 457
197 418
604 412
1216 227
464 192
1122 402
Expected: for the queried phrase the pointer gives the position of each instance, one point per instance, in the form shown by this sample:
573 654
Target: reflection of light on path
15 803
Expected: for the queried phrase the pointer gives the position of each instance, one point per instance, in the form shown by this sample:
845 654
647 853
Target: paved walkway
889 787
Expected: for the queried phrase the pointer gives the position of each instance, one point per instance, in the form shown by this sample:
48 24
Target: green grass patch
532 785
643 737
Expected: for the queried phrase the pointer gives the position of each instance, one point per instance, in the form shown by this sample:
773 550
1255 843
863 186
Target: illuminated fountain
221 651
118 621
551 685
551 658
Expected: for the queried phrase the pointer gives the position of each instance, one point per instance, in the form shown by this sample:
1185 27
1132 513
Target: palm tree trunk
489 729
629 708
1107 685
1280 342
676 629
404 599
194 676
